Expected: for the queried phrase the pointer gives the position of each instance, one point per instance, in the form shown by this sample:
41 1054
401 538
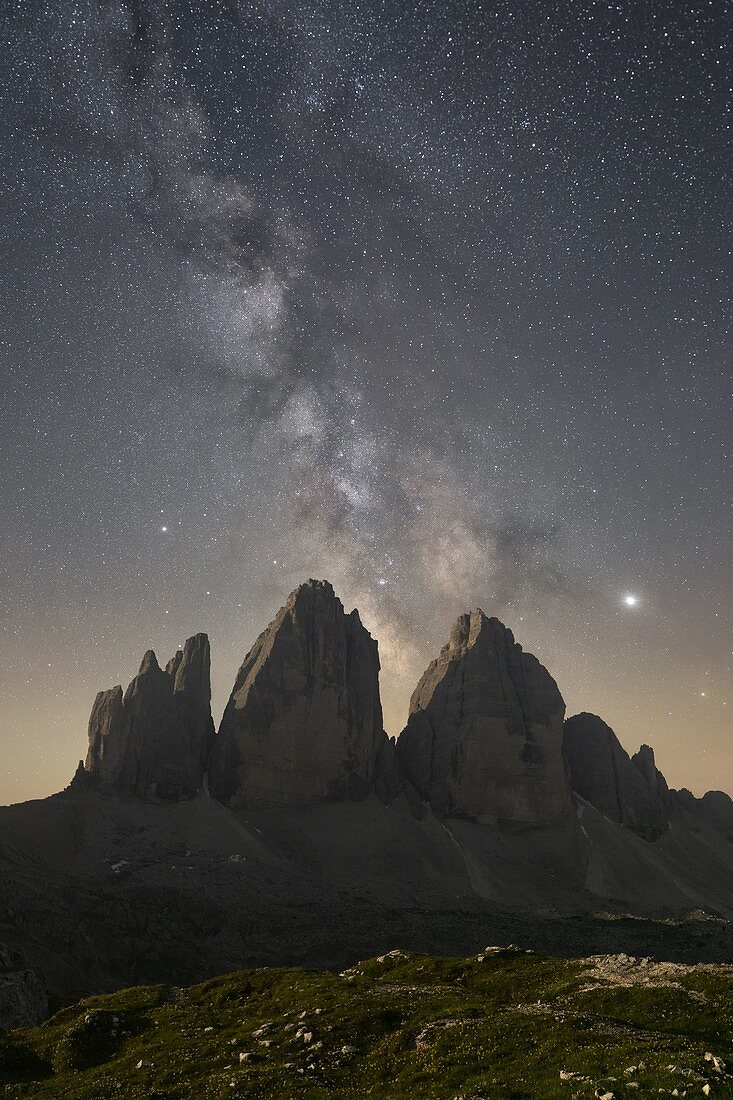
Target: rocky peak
484 734
190 669
716 808
645 762
172 667
477 627
601 772
154 740
304 721
149 664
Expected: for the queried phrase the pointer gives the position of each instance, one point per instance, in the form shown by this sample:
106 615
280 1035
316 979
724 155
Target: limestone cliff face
484 736
633 793
304 721
154 741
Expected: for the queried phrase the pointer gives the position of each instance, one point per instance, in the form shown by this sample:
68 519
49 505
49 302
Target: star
354 325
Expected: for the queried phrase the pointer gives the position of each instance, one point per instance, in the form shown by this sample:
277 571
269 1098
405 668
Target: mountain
498 1023
304 721
485 730
300 834
155 740
631 792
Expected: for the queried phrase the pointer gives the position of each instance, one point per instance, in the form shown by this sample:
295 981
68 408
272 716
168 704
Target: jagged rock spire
154 741
304 721
645 762
484 734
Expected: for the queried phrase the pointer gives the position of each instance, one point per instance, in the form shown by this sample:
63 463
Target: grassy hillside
504 1024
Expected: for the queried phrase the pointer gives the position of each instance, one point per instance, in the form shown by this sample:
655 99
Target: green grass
501 1027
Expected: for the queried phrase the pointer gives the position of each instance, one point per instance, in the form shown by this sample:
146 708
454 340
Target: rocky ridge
154 741
485 738
630 792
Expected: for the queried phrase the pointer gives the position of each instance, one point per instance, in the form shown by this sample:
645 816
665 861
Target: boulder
23 1001
154 741
304 721
484 735
601 772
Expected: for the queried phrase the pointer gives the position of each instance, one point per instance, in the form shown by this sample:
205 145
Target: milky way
428 299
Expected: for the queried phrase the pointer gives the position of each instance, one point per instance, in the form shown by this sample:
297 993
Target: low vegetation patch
503 1024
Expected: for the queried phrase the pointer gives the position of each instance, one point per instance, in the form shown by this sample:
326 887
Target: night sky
429 299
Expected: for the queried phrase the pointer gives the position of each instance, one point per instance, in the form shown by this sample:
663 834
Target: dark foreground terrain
504 1023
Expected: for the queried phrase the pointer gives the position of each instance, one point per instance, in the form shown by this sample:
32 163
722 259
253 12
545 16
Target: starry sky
430 299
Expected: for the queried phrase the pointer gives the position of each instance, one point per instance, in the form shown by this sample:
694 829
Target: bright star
631 601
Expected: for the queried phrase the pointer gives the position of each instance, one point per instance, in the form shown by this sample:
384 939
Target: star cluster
429 299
